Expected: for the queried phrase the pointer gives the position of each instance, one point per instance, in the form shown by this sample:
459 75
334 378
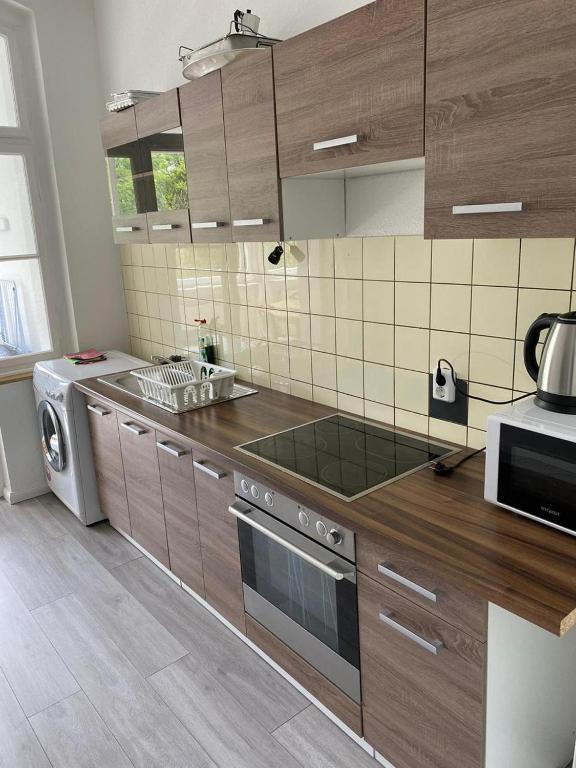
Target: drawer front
129 230
179 495
169 226
143 487
399 568
219 537
108 464
422 681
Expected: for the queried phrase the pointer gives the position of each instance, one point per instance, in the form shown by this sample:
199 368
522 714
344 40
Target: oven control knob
255 492
269 499
333 537
245 486
321 528
304 519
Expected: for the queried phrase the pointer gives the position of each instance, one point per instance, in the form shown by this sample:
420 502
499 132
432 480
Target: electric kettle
556 373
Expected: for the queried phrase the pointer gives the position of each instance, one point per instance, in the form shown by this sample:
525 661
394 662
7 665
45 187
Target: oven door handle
335 574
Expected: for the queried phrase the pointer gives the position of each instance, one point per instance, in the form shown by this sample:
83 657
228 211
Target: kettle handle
531 342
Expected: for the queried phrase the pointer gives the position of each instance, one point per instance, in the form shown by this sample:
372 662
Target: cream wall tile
325 397
494 311
260 379
415 422
136 252
274 269
163 281
348 257
142 304
145 329
476 438
412 348
378 301
522 379
349 338
379 412
255 291
241 350
412 304
277 326
452 261
243 373
322 296
300 364
379 343
180 336
533 302
298 294
301 389
128 278
411 391
450 307
191 311
237 288
235 257
257 325
323 333
491 361
167 332
175 282
238 319
413 259
279 359
220 287
218 257
350 376
188 285
276 291
378 258
222 319
160 256
454 347
138 283
173 256
379 383
298 329
125 255
193 339
206 312
131 302
149 279
202 256
187 260
296 258
446 430
478 411
147 255
259 355
496 262
321 257
349 299
351 404
324 370
546 263
254 257
204 285
164 307
280 383
225 348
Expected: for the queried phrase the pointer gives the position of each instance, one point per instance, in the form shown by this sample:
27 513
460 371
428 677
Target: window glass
8 113
16 226
23 320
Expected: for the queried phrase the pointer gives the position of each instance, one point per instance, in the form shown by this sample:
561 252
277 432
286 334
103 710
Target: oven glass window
537 475
320 604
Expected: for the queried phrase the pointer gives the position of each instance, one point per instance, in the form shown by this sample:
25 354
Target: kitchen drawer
168 226
179 495
422 681
402 569
130 230
219 537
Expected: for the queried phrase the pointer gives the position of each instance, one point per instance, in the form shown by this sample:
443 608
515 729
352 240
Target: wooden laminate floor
106 663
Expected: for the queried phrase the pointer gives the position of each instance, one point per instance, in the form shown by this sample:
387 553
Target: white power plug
443 384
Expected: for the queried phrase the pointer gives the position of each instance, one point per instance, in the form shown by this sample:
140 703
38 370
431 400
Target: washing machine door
52 436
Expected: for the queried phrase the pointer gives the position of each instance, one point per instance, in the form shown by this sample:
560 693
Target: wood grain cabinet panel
219 537
143 488
118 128
108 464
158 114
500 105
130 230
202 116
179 496
422 683
250 125
359 75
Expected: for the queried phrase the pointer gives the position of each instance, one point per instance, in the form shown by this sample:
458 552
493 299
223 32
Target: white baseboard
14 497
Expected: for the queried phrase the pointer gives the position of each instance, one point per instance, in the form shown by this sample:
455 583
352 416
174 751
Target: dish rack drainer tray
186 385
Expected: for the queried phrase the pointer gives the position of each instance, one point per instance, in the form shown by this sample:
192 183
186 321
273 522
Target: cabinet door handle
98 410
205 224
248 222
430 646
386 570
203 467
127 229
340 142
162 227
134 428
487 208
171 448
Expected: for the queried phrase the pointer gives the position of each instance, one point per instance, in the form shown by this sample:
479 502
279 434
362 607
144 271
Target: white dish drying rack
187 385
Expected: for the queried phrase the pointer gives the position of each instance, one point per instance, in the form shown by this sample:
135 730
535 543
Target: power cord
439 468
441 381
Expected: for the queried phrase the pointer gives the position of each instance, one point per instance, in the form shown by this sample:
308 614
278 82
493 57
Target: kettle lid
567 317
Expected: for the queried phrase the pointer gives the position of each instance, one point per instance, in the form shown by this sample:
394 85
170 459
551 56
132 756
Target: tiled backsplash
356 323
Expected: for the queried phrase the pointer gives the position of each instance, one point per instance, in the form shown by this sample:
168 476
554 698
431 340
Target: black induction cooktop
347 457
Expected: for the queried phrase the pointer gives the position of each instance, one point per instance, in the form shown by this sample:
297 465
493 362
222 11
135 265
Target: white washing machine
65 432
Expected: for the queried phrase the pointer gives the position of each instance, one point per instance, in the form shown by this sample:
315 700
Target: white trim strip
161 227
204 224
248 222
340 142
487 208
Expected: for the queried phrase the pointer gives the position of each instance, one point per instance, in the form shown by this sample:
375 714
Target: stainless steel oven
299 579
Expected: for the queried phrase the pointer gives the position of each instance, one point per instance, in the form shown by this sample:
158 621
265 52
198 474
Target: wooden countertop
522 566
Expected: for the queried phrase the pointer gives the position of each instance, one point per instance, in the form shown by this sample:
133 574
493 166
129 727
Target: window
24 323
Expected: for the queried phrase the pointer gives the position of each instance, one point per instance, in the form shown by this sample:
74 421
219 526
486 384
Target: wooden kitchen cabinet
143 487
179 496
354 85
202 116
219 537
250 128
423 684
500 105
108 464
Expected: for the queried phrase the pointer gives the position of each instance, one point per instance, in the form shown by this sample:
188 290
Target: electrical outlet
443 385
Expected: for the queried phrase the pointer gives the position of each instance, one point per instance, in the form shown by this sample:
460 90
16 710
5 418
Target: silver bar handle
203 467
98 410
171 448
386 570
134 428
432 647
248 222
162 227
340 142
487 208
127 229
205 224
338 575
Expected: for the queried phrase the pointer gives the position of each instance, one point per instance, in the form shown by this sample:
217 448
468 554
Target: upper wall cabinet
205 150
250 127
500 131
351 92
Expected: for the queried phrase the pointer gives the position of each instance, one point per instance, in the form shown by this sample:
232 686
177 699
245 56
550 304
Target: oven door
537 476
301 592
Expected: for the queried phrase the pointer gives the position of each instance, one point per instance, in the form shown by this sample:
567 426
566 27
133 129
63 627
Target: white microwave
531 464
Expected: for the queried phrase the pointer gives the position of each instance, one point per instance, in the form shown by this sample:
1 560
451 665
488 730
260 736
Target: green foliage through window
170 180
124 187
